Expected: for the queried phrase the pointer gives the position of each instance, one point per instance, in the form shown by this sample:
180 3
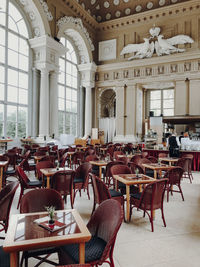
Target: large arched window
14 71
68 91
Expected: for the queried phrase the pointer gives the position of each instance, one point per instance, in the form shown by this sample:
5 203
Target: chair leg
168 194
151 221
94 206
22 259
163 217
181 192
88 193
21 194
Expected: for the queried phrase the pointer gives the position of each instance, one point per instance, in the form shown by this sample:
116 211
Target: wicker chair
150 199
103 226
108 175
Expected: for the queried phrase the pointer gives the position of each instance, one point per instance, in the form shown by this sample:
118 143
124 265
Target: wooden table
2 165
4 142
170 161
38 158
48 172
24 234
128 180
156 167
100 164
70 154
27 141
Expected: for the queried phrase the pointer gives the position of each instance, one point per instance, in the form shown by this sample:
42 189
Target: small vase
51 224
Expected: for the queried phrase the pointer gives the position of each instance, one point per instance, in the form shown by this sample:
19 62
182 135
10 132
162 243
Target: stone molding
180 9
87 74
46 10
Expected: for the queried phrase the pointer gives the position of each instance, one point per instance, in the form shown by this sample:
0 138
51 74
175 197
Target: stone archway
108 103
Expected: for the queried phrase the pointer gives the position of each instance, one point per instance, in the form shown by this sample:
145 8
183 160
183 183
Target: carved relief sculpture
161 46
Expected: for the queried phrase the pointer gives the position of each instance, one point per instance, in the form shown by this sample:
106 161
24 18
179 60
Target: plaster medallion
138 8
126 1
93 2
23 2
83 5
97 7
174 1
37 31
32 15
89 11
149 5
108 16
127 11
99 18
161 2
117 14
116 2
106 4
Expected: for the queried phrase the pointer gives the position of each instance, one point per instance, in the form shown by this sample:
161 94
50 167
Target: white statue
161 46
142 50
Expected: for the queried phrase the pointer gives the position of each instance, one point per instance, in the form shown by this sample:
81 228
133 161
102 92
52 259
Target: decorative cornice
78 24
46 10
180 9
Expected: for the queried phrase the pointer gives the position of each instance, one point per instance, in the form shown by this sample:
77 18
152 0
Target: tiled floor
177 245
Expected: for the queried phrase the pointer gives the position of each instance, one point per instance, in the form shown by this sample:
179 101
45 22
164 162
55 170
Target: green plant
51 212
136 171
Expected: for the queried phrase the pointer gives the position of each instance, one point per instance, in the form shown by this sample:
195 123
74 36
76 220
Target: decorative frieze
46 10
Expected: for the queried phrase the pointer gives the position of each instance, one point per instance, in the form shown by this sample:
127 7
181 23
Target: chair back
142 161
89 151
62 182
116 153
23 178
145 154
37 199
82 173
183 163
153 195
187 155
27 154
134 166
174 175
43 165
100 189
91 158
105 223
39 153
110 164
120 169
49 158
152 159
25 165
136 159
6 198
163 155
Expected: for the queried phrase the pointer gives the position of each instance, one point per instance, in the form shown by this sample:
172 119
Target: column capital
87 74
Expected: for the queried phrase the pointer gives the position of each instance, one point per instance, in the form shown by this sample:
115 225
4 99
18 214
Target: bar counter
196 156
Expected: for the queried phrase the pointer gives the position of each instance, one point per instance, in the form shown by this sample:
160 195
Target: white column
44 104
88 110
35 103
54 103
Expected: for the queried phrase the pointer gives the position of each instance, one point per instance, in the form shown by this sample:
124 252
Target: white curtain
108 126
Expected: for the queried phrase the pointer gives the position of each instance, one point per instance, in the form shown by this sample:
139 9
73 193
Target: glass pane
2 54
74 125
1 91
1 112
13 11
74 107
68 106
12 94
12 25
61 122
2 18
23 47
67 126
1 119
70 47
13 59
74 82
155 94
11 129
61 91
23 80
68 56
2 74
74 71
21 130
3 5
61 104
168 112
74 95
11 113
13 41
12 77
155 104
74 57
23 28
62 40
61 77
23 62
2 34
168 103
168 94
69 68
23 96
62 64
68 93
157 112
22 114
68 80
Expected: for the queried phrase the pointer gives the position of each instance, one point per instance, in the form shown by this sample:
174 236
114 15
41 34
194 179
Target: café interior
100 133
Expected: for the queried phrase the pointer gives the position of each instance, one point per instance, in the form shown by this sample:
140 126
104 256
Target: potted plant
136 172
51 213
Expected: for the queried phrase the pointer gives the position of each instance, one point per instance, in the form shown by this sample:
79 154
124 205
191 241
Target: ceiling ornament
160 46
93 2
78 24
46 10
117 14
127 11
149 5
106 4
138 8
161 2
116 2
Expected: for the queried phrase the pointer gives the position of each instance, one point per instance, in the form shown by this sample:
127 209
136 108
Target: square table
2 165
48 172
171 161
4 143
24 234
100 164
156 167
128 180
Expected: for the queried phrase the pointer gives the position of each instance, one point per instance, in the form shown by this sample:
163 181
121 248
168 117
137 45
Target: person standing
173 144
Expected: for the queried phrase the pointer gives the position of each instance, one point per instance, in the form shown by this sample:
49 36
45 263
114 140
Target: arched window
68 91
14 71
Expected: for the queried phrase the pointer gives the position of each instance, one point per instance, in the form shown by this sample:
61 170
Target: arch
107 102
73 28
38 15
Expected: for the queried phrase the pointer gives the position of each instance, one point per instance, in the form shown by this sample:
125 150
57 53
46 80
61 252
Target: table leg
1 177
70 161
155 174
100 171
48 182
127 203
14 259
82 253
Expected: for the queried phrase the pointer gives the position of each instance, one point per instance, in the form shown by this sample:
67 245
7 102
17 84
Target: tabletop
3 163
5 140
52 171
156 166
99 162
169 159
131 179
25 234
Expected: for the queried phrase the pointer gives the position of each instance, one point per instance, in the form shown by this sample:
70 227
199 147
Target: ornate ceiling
105 10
